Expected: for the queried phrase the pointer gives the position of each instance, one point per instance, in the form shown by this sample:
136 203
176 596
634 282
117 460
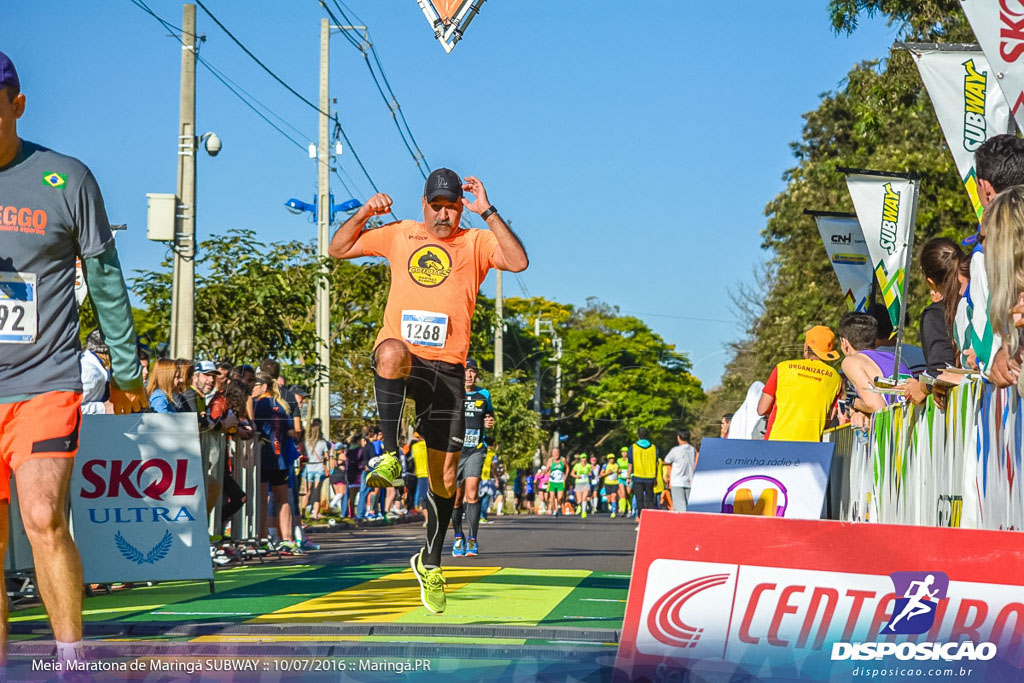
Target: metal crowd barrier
960 467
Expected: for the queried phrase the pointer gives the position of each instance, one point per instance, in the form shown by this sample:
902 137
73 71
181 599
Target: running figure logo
914 613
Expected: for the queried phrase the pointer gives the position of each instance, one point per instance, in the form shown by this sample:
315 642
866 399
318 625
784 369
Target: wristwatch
487 214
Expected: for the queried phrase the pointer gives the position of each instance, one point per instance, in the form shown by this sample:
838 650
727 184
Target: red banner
797 599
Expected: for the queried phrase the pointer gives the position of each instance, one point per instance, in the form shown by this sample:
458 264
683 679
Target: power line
292 90
392 104
177 33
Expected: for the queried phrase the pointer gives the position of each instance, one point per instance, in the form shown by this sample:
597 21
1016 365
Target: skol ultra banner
848 252
138 499
999 28
885 206
970 107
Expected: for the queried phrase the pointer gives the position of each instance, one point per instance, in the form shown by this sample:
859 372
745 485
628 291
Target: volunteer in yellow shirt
800 395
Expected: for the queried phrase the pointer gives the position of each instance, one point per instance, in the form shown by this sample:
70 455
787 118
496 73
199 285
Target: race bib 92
423 328
18 308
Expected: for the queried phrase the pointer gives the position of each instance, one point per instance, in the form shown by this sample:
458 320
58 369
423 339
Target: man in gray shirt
683 459
51 212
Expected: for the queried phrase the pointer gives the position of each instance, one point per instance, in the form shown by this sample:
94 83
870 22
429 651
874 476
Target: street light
297 206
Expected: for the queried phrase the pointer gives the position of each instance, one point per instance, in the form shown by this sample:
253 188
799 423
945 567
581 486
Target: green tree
517 431
881 118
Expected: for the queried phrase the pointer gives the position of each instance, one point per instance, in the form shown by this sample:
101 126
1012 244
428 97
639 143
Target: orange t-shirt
434 284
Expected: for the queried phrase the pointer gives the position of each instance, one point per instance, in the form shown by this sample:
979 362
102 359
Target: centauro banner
969 104
848 251
999 27
884 208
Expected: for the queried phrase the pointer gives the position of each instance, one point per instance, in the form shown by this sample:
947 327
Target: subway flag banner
885 206
730 597
968 103
847 250
999 28
761 478
138 499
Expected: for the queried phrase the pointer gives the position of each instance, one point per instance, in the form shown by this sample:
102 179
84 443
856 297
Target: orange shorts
45 426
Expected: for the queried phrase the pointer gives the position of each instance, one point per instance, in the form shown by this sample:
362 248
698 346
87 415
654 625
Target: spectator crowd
972 326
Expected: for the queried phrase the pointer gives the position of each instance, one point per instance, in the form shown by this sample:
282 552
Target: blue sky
633 145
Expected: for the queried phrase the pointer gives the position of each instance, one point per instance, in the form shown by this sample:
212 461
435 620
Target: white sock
70 652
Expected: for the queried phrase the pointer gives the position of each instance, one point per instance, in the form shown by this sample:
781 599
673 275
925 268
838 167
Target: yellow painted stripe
88 612
271 639
521 597
375 639
384 599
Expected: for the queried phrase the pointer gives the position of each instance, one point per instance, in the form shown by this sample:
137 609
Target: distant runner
581 478
479 414
436 271
610 476
53 212
557 470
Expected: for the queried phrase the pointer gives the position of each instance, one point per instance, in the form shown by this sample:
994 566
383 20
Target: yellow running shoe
386 471
432 583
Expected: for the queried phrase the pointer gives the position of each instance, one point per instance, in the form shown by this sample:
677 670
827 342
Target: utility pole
558 383
183 287
536 386
322 394
499 337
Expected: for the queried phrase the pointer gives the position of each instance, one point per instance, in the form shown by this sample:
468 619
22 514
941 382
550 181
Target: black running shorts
438 388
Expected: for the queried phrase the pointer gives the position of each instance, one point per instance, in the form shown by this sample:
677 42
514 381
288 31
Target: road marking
383 599
600 600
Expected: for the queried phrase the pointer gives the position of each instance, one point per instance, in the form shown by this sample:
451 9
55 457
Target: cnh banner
886 206
731 597
138 499
968 103
999 28
848 252
766 478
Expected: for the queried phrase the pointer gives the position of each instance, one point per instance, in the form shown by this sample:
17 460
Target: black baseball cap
9 77
443 182
471 363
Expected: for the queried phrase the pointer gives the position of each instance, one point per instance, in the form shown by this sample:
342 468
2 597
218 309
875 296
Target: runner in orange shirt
436 271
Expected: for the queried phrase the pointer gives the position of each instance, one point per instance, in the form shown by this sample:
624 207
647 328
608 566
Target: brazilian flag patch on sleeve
55 180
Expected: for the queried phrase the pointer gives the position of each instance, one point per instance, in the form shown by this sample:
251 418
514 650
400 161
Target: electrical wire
292 90
392 104
178 32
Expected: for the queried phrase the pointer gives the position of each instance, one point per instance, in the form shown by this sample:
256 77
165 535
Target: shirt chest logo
55 180
430 265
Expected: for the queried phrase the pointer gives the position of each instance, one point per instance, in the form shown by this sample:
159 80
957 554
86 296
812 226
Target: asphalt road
528 542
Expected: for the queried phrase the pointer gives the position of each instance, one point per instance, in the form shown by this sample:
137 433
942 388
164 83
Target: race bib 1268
423 328
18 310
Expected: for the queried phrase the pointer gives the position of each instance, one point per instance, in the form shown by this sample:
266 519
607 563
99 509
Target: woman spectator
947 270
339 483
162 380
184 399
95 363
317 450
273 424
1004 261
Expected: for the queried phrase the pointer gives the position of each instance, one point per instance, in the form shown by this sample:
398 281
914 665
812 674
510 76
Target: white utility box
160 216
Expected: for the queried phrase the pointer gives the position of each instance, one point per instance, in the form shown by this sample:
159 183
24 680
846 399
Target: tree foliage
256 300
880 118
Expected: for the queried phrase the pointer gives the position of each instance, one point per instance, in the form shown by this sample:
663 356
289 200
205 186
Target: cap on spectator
9 76
471 364
205 367
299 391
822 341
